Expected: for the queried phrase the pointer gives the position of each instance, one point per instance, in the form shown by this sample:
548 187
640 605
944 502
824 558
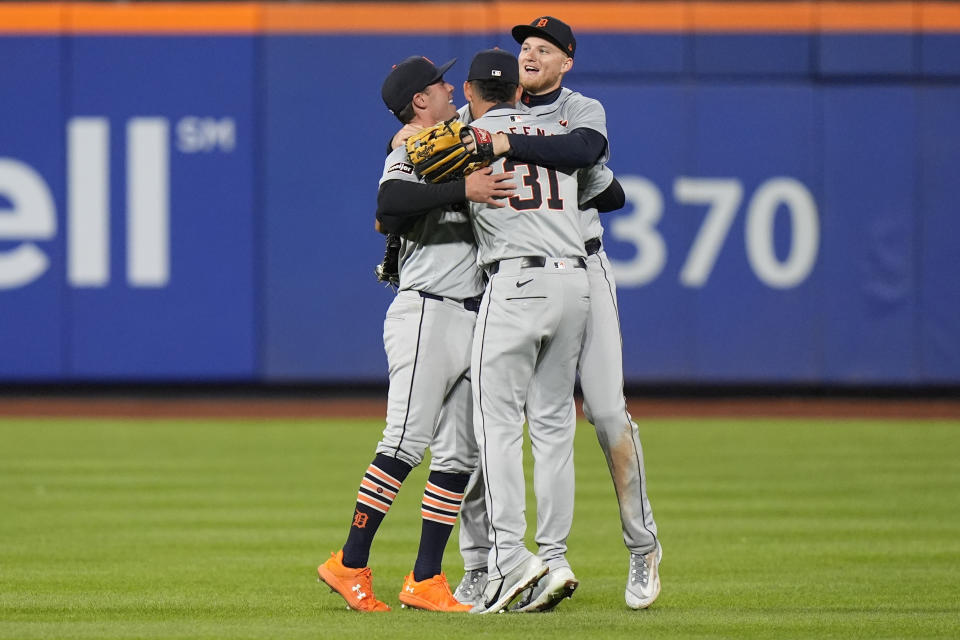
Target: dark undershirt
578 149
610 199
400 202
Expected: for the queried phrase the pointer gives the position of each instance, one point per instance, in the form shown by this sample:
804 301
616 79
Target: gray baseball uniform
427 335
601 358
527 340
601 382
600 367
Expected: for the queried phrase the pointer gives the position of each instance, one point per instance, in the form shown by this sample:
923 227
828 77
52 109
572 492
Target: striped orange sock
378 489
441 502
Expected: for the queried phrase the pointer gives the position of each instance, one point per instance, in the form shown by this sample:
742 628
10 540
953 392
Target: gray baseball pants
525 350
429 402
601 381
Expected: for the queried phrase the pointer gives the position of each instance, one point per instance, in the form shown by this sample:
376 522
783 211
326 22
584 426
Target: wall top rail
494 16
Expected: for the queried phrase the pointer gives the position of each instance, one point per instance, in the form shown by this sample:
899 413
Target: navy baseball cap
495 64
408 78
549 28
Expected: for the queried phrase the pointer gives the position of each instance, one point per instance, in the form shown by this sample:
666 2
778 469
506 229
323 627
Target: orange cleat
432 594
355 585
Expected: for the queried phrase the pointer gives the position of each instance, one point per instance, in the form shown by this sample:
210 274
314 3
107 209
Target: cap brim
442 69
523 31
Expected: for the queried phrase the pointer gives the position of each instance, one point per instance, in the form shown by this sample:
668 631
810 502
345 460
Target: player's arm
610 199
585 145
581 148
401 202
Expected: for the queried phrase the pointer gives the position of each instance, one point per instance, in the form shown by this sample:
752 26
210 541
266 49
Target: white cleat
549 592
500 592
643 583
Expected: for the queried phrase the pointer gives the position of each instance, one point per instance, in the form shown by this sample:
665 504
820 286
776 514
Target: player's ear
517 94
468 92
567 65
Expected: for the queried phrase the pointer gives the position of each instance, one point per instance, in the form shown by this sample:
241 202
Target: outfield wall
187 191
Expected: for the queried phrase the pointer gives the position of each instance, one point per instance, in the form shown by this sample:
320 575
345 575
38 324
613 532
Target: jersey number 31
531 179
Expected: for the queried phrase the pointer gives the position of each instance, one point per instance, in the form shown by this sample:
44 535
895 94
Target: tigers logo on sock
359 519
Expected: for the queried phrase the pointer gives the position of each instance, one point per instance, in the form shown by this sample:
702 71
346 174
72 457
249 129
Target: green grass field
213 529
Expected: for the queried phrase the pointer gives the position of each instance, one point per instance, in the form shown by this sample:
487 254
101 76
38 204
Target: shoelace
470 590
639 572
440 582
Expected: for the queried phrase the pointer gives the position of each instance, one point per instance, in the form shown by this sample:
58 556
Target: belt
537 261
592 246
470 304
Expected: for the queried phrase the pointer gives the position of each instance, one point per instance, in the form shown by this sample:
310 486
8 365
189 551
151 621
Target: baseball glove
388 271
438 153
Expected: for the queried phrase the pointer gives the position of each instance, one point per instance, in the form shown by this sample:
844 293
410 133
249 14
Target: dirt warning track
374 406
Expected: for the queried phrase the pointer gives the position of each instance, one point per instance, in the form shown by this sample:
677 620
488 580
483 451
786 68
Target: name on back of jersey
526 130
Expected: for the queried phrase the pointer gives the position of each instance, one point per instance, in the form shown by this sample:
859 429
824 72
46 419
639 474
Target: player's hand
501 143
400 138
489 188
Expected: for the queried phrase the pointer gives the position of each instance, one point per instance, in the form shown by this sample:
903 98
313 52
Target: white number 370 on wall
722 196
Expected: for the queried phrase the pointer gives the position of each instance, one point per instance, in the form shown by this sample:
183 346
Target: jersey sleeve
397 167
582 112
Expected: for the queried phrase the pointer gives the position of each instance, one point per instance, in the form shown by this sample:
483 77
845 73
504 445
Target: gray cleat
643 583
500 592
470 589
549 592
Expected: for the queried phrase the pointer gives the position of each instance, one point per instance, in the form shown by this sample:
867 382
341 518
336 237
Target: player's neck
426 120
480 107
549 97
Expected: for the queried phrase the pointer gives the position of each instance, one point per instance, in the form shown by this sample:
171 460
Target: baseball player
527 338
427 335
546 55
583 147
